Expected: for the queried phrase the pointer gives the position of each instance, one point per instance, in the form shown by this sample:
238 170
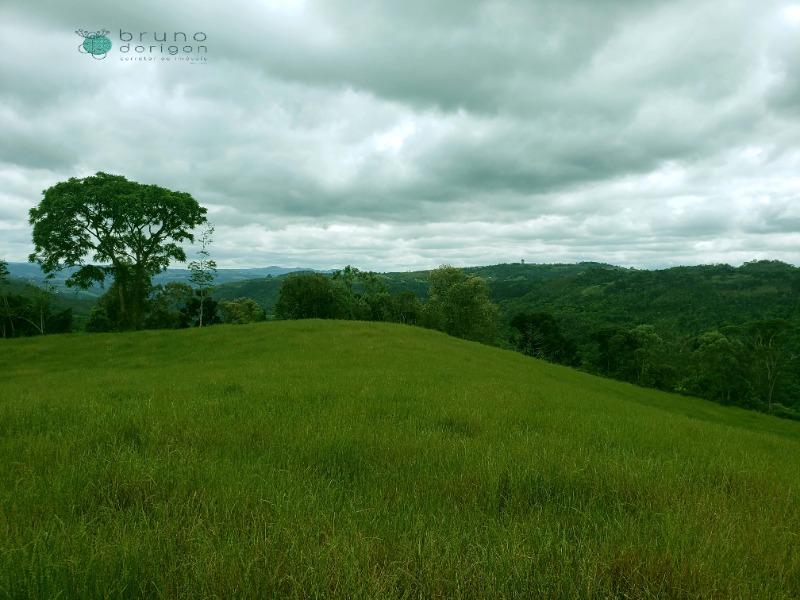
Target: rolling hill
325 458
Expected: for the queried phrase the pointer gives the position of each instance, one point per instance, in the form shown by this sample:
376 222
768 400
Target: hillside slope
369 460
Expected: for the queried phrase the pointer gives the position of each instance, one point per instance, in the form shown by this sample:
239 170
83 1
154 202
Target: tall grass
318 459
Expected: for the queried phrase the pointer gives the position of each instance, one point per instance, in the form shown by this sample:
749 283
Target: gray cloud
401 135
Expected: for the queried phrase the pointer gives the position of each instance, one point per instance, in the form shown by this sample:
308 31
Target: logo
146 46
95 43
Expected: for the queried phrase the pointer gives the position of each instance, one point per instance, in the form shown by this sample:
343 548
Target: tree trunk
9 317
123 313
138 298
772 374
132 289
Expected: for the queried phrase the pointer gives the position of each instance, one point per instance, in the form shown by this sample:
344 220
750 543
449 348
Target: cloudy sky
400 135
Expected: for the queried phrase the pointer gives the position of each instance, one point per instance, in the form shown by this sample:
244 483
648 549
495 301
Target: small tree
42 299
204 270
361 295
406 308
376 297
31 314
768 355
190 312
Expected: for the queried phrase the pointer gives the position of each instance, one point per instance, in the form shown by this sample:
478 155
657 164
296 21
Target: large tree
107 226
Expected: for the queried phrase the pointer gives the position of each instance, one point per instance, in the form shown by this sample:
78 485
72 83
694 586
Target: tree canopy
307 296
106 226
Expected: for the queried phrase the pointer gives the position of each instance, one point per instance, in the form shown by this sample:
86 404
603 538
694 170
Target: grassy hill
597 310
319 458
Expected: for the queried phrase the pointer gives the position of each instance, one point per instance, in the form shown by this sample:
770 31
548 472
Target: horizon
465 266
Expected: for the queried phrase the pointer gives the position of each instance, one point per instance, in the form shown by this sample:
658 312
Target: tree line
457 303
29 310
753 365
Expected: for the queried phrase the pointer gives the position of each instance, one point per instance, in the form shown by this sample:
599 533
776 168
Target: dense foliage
347 294
241 311
30 310
458 303
719 332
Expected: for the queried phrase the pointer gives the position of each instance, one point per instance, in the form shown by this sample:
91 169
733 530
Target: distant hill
506 279
371 460
264 291
231 275
253 282
32 273
79 302
682 299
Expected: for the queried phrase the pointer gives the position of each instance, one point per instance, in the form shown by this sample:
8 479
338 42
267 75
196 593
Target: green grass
312 458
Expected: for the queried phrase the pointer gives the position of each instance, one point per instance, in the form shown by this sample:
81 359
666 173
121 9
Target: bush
241 311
